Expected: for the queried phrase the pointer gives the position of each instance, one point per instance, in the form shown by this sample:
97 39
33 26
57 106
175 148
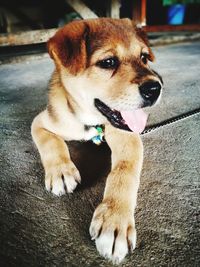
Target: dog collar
99 138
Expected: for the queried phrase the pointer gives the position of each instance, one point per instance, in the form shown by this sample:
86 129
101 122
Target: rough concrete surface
38 229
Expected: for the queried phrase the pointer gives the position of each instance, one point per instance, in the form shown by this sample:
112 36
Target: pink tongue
136 120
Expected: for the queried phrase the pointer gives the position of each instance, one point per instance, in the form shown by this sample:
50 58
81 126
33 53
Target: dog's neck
84 113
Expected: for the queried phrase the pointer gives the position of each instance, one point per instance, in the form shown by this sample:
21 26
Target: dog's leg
60 173
113 225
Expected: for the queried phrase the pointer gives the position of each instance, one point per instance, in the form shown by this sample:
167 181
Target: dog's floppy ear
68 46
143 36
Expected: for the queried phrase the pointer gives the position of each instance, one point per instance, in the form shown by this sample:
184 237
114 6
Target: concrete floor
38 229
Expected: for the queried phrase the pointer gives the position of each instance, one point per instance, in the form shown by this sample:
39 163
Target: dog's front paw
62 178
113 229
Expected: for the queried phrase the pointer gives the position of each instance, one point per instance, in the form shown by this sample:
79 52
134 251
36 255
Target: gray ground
38 229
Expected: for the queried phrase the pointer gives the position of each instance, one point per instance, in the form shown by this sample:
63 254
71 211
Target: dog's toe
104 244
58 188
70 183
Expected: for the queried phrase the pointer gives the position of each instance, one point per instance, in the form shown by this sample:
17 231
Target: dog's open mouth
134 121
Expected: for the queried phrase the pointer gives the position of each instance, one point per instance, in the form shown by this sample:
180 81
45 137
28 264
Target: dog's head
103 64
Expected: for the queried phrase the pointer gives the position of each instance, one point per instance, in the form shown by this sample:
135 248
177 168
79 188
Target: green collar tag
99 138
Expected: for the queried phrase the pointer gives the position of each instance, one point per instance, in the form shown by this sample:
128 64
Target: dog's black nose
150 92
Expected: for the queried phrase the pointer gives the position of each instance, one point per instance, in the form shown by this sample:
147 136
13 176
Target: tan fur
75 83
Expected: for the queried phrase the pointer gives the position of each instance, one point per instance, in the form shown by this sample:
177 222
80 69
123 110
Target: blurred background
25 15
26 25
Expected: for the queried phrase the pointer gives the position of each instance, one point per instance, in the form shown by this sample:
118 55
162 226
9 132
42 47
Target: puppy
101 78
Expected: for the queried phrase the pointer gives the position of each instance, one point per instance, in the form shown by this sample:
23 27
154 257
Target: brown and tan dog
102 77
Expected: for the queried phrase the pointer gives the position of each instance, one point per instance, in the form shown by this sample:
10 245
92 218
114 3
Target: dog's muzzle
150 92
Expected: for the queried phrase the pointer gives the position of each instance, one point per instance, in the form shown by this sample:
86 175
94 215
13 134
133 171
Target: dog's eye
108 63
144 58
